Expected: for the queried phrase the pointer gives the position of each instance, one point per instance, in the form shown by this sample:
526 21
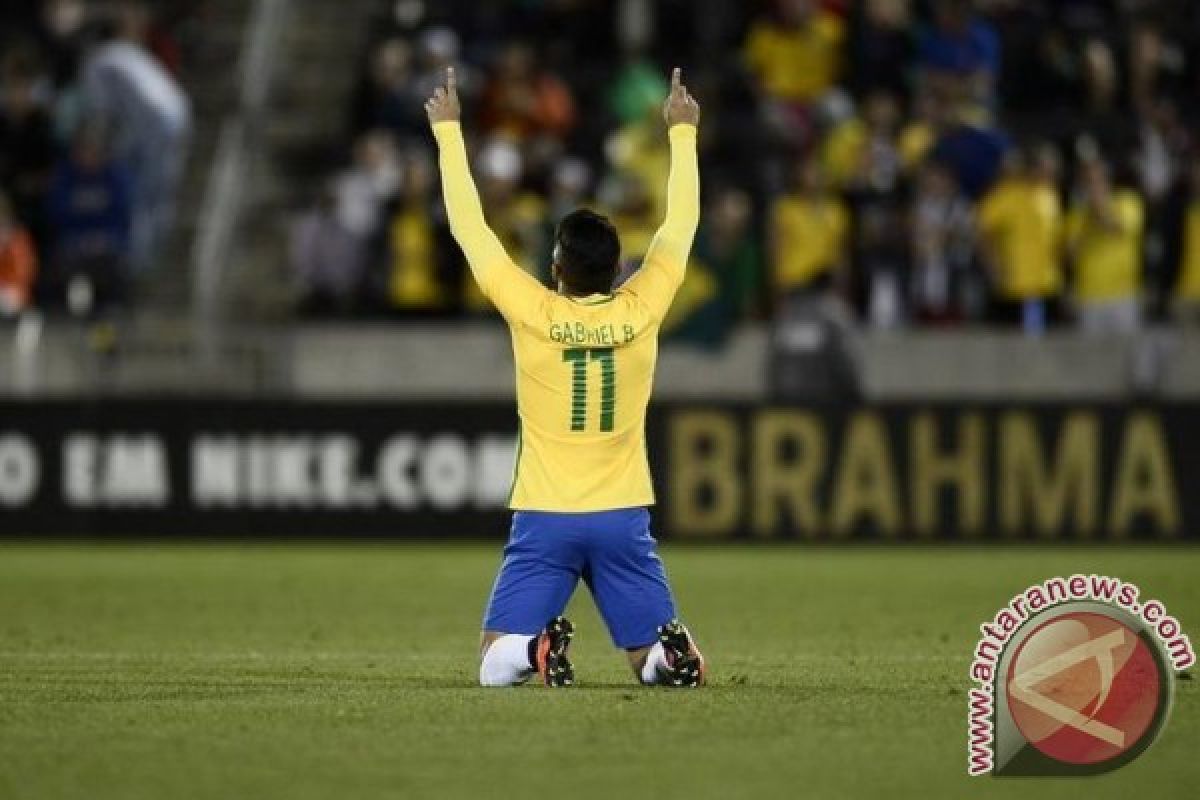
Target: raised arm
666 260
682 113
480 245
511 288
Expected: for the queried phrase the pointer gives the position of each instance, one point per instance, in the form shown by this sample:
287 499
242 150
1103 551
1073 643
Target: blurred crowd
94 133
935 163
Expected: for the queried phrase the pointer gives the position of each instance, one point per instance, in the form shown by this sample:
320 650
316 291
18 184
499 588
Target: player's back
585 371
585 366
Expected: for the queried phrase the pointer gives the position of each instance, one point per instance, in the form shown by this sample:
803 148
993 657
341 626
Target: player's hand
681 107
444 105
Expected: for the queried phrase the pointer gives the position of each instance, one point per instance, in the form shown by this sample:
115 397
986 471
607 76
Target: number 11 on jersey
580 359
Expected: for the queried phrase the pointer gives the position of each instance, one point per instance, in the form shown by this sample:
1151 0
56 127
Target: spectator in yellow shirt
416 282
809 230
1187 285
1104 239
795 57
1020 225
862 152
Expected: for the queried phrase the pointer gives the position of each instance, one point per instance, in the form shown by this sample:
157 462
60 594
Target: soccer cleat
685 664
552 663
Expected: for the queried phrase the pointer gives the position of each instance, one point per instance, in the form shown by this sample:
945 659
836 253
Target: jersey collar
592 299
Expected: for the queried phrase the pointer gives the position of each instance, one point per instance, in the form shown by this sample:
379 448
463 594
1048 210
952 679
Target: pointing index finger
676 79
451 80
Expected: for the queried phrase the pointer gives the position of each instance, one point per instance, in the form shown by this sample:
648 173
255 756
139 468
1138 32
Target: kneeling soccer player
585 359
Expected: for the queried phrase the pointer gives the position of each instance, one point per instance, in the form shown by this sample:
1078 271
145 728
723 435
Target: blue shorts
612 551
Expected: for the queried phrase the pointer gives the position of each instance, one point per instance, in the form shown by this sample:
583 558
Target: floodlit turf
304 672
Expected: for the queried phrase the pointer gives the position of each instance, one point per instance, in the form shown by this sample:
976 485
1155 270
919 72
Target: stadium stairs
304 139
212 86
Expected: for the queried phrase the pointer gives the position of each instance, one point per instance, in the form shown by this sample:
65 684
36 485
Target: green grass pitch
330 671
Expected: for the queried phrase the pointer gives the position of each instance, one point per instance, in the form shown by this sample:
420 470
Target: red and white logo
1084 688
1075 677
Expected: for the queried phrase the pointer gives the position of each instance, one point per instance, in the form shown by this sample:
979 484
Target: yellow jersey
584 366
1022 221
1188 287
810 238
413 281
843 150
797 64
1108 261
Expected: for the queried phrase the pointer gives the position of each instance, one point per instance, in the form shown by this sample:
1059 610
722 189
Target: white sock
654 659
506 662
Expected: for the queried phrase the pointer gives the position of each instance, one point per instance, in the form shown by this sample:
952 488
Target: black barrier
279 468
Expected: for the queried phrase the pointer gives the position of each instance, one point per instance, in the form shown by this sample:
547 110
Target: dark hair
588 252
